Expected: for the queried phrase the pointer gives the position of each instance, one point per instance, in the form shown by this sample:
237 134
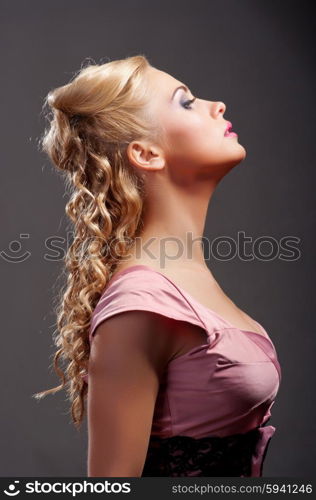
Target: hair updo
92 119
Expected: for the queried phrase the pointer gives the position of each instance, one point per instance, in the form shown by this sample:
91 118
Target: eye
186 104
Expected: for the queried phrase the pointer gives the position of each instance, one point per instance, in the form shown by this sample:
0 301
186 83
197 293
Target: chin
235 154
243 152
239 153
234 160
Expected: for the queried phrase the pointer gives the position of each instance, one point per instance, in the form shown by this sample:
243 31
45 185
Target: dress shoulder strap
140 288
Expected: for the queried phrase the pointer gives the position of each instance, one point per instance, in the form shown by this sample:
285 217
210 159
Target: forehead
162 82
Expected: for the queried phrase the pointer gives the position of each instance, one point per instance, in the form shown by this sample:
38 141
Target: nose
217 107
221 107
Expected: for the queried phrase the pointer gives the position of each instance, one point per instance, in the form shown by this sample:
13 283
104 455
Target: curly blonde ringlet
92 119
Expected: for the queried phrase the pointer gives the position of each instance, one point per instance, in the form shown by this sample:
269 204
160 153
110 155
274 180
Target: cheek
187 133
194 140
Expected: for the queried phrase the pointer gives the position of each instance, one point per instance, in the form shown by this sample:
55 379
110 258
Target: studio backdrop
257 57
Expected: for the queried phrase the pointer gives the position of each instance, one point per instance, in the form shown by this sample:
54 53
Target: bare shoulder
144 335
128 355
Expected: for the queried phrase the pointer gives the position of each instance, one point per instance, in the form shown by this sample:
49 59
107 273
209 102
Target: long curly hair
92 119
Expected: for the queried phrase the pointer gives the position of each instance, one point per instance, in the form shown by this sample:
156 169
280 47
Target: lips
228 128
228 131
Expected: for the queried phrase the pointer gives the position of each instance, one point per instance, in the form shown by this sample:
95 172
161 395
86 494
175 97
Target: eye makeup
184 87
187 103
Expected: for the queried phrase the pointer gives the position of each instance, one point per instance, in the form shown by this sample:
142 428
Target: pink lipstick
228 132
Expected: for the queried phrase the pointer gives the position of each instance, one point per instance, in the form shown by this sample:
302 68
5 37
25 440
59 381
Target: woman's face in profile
193 132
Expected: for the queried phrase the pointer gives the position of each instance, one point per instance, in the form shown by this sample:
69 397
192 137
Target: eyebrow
184 87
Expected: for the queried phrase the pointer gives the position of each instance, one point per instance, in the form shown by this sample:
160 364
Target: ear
145 156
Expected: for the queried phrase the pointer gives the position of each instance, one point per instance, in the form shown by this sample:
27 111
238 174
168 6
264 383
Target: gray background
256 56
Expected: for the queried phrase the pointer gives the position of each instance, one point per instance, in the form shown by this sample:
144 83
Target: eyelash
188 102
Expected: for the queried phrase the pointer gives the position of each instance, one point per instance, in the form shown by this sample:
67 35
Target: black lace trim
213 456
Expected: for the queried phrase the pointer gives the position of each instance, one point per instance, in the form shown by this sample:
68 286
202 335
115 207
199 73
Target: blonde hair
92 119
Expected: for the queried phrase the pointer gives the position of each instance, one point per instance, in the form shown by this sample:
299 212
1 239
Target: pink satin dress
222 388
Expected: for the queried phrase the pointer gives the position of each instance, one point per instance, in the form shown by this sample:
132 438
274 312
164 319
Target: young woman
179 381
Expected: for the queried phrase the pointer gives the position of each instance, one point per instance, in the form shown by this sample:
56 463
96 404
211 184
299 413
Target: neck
173 224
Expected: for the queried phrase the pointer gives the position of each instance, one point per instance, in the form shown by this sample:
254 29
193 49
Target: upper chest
206 292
